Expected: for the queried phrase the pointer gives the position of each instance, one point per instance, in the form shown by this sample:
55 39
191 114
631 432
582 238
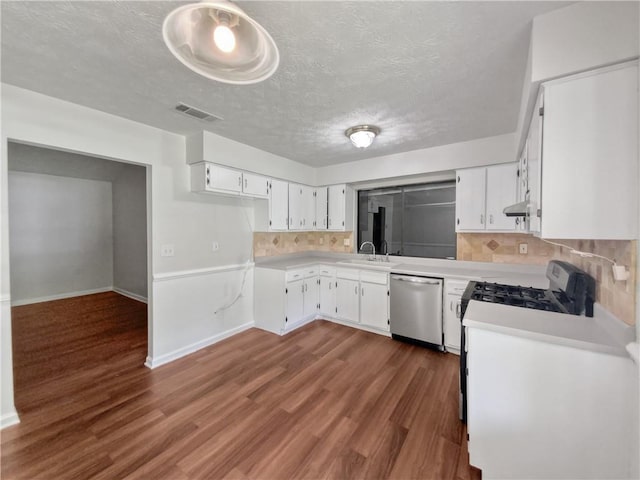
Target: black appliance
570 291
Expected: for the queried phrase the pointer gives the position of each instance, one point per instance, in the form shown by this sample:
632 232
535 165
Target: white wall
207 146
188 221
129 201
61 237
583 36
484 151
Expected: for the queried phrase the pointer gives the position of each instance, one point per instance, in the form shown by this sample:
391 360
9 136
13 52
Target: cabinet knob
458 221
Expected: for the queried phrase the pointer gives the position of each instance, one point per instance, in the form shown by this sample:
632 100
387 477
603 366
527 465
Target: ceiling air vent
195 113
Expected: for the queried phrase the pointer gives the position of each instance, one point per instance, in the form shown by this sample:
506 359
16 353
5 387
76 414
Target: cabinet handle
362 291
356 289
330 285
291 221
245 183
267 187
491 218
482 219
239 181
458 310
517 221
303 288
458 221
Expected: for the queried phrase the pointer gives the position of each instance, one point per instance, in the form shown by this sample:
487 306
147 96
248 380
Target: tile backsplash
267 244
617 297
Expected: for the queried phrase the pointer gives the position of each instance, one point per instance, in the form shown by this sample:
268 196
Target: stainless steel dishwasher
416 310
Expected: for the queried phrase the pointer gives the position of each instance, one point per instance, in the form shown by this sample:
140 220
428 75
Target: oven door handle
458 309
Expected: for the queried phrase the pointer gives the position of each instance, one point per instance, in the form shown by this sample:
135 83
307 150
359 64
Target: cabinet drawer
293 275
374 277
327 271
347 274
311 271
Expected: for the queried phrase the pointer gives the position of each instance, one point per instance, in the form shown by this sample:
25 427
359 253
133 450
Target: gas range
571 291
526 297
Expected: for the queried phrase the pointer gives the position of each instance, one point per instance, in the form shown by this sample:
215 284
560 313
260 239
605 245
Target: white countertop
559 328
525 275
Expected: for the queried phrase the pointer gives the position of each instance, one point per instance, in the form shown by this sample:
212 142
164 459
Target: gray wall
78 224
61 235
130 231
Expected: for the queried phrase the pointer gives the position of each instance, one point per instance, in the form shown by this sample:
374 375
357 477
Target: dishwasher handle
420 280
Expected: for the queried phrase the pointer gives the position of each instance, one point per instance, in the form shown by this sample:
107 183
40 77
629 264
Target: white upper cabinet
255 185
278 205
589 187
470 198
482 193
321 208
209 177
340 201
308 207
295 206
502 184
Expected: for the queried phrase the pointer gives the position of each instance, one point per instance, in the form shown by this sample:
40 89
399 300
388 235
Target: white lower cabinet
452 305
348 295
538 409
295 301
374 300
285 300
327 293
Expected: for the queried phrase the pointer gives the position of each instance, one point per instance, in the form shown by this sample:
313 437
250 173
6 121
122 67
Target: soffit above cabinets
426 73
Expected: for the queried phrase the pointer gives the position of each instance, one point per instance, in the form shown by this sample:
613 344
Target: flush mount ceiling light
218 40
362 135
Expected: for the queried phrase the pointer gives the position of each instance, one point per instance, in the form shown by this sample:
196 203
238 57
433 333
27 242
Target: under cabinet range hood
520 209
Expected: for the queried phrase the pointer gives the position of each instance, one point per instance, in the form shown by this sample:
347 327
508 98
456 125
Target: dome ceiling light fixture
362 135
218 40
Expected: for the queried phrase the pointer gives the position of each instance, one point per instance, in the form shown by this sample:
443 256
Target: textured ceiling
426 73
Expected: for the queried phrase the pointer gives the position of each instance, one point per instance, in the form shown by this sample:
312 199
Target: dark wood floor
325 401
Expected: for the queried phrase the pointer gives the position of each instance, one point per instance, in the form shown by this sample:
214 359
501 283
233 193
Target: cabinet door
311 293
590 156
321 209
295 206
470 199
502 184
308 207
223 178
374 302
452 322
534 164
295 301
328 296
336 201
347 299
255 185
278 205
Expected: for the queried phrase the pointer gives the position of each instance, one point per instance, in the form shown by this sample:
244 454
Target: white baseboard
28 301
153 362
129 294
9 419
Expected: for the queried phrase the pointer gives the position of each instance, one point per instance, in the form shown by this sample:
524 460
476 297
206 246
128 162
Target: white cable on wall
246 268
580 252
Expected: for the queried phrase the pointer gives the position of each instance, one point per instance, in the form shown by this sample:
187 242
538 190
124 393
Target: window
414 221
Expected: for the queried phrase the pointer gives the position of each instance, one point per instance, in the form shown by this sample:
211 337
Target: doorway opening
78 269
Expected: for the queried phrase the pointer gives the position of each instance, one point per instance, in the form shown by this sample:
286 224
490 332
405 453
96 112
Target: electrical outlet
215 246
167 250
523 248
346 242
321 241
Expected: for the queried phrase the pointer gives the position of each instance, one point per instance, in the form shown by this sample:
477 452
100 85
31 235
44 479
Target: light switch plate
523 248
346 242
215 246
167 250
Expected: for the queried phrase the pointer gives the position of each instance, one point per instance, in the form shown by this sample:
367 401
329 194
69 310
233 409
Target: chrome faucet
373 247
